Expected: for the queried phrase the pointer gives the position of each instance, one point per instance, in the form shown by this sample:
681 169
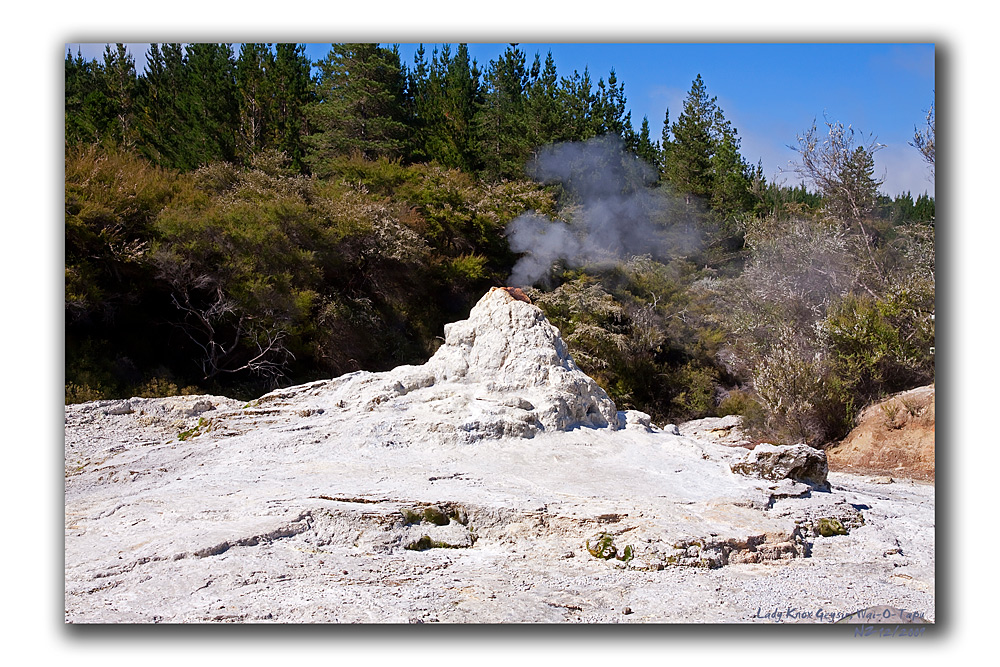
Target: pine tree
730 192
445 97
666 143
255 98
462 99
119 83
502 123
167 119
577 100
543 102
419 106
424 105
645 148
211 102
150 102
85 100
609 112
842 170
290 81
701 158
844 173
360 106
859 186
689 162
923 209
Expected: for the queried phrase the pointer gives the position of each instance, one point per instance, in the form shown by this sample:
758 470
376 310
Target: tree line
235 222
200 103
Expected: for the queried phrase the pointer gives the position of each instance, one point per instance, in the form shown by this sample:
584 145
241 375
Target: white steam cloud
615 214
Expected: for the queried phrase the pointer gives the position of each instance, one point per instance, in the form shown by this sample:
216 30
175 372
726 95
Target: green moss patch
828 527
605 549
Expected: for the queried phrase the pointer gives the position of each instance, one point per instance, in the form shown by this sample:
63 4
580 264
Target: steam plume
615 214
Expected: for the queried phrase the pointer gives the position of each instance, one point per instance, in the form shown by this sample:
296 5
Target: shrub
648 341
881 346
464 270
822 322
161 387
696 385
76 393
744 404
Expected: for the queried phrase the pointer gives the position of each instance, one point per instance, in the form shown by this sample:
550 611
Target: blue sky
770 92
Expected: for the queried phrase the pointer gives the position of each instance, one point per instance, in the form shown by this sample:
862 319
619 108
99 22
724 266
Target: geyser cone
505 371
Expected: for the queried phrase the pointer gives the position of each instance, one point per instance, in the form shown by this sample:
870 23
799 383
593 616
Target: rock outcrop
726 430
800 463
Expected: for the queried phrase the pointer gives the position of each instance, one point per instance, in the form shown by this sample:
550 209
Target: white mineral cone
503 372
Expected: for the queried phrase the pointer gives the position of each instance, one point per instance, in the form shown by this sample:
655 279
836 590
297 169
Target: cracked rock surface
496 483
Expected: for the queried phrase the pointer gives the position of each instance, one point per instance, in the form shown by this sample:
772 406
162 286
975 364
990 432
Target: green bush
647 338
696 396
161 387
744 404
76 393
464 270
881 346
